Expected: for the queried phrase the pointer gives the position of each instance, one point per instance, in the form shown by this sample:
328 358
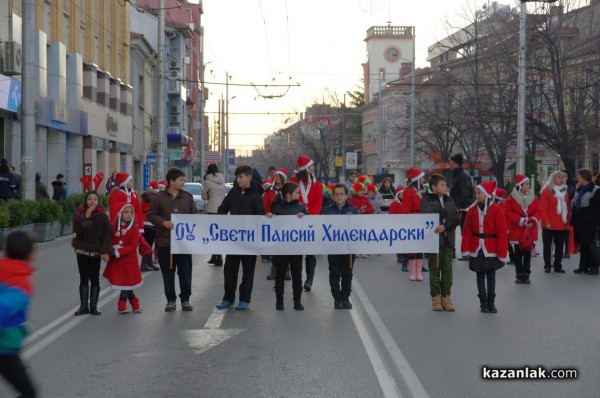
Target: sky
309 48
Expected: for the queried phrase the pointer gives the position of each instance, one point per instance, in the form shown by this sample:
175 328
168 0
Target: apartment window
82 41
141 91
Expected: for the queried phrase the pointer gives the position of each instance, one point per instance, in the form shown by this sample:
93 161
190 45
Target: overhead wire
266 36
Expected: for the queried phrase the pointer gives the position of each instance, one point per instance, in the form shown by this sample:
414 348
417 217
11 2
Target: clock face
392 53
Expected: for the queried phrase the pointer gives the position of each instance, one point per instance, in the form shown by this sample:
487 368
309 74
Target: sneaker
171 306
347 304
224 304
145 268
153 267
338 305
122 307
185 306
242 305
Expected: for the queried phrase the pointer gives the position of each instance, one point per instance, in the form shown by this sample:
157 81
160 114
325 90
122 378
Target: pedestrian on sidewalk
341 265
440 264
16 289
244 199
555 206
92 243
522 211
59 192
41 192
286 203
586 220
485 242
8 182
123 270
173 200
213 193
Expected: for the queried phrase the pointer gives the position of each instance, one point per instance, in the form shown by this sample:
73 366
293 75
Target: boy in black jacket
243 199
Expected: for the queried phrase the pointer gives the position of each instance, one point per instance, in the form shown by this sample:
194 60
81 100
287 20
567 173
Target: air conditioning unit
175 109
174 118
13 58
175 74
174 64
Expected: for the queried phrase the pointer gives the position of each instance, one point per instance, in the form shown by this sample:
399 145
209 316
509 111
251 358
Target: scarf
583 194
560 192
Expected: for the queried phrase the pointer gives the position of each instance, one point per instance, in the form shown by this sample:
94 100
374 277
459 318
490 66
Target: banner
351 160
343 234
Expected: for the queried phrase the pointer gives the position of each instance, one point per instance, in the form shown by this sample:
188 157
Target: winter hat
414 174
520 179
487 188
327 191
153 185
371 188
123 178
283 173
303 163
119 229
499 193
357 187
162 184
458 159
364 179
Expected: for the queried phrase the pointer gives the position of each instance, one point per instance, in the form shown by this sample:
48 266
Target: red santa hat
162 184
283 173
499 193
123 178
414 174
399 188
520 179
303 163
487 188
153 185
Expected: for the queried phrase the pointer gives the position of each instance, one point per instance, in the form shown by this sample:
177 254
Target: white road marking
201 340
406 371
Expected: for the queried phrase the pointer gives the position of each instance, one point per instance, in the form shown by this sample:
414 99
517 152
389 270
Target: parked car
195 188
228 186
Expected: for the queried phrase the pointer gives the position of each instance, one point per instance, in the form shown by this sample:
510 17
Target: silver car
195 188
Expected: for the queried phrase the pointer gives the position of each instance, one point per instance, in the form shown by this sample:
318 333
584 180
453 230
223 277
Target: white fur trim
306 166
417 178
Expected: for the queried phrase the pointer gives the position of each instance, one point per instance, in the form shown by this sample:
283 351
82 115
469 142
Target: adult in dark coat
461 191
586 220
7 181
59 192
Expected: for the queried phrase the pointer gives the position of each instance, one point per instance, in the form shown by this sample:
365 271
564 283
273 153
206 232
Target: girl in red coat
122 196
522 211
485 242
123 270
556 218
411 203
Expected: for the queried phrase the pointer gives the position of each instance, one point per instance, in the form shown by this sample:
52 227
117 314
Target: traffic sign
151 158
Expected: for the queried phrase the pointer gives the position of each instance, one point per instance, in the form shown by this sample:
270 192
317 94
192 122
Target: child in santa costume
556 219
411 204
122 196
522 211
485 242
396 208
123 270
359 200
311 196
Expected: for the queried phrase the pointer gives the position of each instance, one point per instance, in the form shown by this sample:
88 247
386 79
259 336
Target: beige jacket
213 192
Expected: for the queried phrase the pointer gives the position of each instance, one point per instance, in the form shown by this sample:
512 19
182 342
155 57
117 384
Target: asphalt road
390 345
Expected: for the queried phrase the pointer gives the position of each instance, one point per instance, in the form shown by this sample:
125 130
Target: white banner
351 160
343 234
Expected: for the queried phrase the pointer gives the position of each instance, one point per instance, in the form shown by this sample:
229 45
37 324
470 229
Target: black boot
273 273
519 278
311 264
218 260
94 293
212 259
84 294
491 305
399 258
483 302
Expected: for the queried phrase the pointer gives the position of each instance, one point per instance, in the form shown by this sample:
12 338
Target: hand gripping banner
343 234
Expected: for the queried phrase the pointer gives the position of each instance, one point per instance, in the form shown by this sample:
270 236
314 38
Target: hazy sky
318 44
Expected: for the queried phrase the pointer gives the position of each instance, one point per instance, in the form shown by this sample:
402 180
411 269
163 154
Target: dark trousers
182 263
567 236
295 263
89 270
522 261
149 235
340 267
13 370
126 294
491 282
586 260
231 270
557 237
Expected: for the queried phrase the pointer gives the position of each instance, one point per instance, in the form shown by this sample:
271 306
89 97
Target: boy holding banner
440 264
243 199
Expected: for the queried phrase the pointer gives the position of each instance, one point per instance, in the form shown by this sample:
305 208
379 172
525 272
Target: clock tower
388 48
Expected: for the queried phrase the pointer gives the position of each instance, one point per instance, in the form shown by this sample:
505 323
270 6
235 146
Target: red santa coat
519 211
478 230
119 198
123 270
411 201
313 200
359 202
395 207
550 216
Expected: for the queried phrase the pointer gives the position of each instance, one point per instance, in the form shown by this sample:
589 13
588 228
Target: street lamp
522 84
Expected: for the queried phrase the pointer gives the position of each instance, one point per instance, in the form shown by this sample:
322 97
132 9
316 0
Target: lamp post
413 104
522 84
381 128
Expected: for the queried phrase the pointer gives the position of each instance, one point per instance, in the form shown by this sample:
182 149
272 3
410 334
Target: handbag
144 248
526 240
595 248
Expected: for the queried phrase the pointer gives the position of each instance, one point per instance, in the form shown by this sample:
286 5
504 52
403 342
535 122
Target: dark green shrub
47 211
68 209
4 215
21 212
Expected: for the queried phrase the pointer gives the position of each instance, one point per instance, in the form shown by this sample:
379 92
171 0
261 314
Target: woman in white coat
213 193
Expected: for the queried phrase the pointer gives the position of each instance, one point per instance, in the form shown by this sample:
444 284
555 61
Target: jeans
440 272
182 263
230 272
340 267
89 270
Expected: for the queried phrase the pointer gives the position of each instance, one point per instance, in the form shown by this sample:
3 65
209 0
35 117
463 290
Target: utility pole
381 128
202 102
161 146
413 105
28 101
